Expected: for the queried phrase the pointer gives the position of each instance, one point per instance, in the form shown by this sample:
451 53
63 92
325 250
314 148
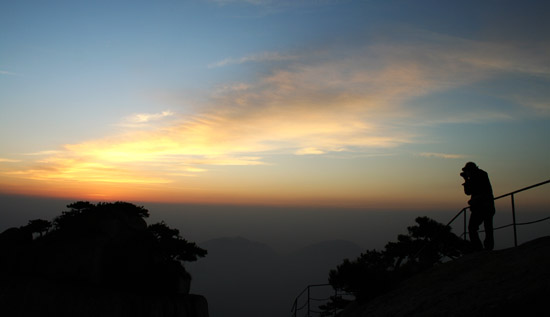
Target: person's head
468 169
470 166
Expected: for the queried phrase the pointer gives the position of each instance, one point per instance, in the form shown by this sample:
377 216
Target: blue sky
278 102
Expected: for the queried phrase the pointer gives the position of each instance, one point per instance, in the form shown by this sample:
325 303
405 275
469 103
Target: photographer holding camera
482 206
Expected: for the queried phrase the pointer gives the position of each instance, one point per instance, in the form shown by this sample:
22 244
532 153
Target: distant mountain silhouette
509 282
326 251
255 276
237 277
311 264
239 249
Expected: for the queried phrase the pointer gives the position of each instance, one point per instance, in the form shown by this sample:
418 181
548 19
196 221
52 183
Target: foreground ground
503 282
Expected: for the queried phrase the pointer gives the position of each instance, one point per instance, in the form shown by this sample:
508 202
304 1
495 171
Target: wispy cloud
58 168
5 72
6 160
278 3
146 117
142 119
353 101
254 58
443 155
43 153
253 2
309 151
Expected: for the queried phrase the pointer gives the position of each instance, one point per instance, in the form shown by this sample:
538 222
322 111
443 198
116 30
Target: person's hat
469 166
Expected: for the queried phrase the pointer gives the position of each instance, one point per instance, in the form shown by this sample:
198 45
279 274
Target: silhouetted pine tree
376 272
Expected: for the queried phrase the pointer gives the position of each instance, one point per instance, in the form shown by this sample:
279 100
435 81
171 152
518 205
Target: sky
352 103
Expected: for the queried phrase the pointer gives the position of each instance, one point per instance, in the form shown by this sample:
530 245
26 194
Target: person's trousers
476 219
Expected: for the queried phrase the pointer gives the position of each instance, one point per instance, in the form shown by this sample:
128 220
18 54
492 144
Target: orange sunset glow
385 116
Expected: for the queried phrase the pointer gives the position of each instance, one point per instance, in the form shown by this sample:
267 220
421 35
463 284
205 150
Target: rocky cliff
490 283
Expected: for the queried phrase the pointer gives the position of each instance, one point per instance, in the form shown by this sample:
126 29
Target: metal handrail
295 307
523 189
514 223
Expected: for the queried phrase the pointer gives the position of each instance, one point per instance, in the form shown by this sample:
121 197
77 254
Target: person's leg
489 238
473 227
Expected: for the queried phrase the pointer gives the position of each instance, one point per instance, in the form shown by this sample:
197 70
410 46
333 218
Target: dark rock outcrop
508 282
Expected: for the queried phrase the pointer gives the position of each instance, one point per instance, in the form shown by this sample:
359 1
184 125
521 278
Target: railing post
308 308
514 221
465 222
295 306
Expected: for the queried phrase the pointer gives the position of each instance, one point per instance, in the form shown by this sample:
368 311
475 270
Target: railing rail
523 189
295 309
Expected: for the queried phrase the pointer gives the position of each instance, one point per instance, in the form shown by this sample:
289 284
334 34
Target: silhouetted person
482 205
